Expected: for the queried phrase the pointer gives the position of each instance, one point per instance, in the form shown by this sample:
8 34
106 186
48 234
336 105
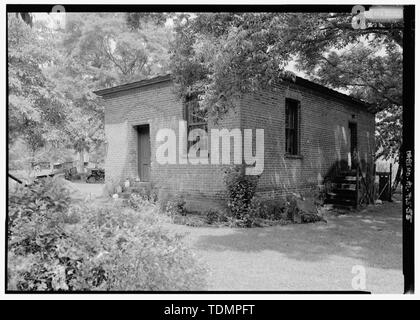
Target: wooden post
357 186
390 182
373 183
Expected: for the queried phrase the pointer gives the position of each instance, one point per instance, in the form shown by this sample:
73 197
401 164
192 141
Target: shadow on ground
373 236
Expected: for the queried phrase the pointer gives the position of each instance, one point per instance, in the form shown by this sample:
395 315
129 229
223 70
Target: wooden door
144 153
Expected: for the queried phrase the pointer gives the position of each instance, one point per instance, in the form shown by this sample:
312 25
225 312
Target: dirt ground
86 190
319 256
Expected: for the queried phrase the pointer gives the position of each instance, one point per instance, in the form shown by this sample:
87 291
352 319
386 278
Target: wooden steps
344 191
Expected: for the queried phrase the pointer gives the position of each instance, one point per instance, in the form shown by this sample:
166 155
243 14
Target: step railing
367 195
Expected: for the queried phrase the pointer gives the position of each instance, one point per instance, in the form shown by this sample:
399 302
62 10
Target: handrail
359 172
359 169
16 179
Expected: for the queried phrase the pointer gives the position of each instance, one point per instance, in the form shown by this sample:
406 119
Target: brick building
308 129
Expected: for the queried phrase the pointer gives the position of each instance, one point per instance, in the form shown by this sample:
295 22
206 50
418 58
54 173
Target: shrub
319 193
47 198
302 210
269 209
292 207
240 192
176 206
139 255
55 246
148 193
138 201
162 199
215 216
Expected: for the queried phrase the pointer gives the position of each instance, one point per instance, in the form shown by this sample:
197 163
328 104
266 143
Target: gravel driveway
318 256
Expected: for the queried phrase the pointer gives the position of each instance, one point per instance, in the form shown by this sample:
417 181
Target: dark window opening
292 127
196 118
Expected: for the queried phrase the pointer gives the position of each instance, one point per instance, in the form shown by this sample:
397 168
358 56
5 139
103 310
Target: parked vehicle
71 174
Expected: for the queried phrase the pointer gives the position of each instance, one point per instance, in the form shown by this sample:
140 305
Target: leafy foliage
35 107
54 246
226 55
241 190
176 206
54 71
269 209
99 50
138 200
374 76
215 216
136 20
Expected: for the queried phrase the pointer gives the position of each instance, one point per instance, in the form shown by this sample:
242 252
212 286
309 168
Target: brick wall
157 106
324 137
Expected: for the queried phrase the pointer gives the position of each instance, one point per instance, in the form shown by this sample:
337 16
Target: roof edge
331 92
133 85
297 80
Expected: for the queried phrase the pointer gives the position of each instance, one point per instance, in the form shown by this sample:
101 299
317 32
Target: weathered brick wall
324 136
157 106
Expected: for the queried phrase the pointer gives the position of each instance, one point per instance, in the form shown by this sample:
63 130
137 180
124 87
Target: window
292 127
196 118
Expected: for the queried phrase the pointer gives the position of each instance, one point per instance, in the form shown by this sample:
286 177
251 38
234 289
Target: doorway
353 144
143 149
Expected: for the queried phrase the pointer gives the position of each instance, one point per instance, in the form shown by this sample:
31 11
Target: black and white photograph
209 148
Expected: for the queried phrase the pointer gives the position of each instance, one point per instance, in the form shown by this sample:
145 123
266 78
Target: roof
334 93
133 85
297 80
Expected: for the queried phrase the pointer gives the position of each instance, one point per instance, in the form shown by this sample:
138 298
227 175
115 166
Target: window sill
293 156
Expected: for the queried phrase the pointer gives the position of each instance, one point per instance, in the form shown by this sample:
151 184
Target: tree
26 17
366 63
36 109
220 56
54 71
375 77
99 50
252 49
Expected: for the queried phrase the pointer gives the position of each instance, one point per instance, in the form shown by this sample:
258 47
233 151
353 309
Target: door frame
353 124
138 132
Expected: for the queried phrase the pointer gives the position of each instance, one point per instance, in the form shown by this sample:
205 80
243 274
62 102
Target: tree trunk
81 166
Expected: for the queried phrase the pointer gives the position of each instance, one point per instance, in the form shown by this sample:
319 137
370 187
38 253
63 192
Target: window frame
191 124
295 129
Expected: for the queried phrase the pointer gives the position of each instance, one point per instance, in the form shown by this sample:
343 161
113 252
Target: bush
55 246
292 208
215 216
148 194
176 206
138 201
46 198
267 209
319 193
241 189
